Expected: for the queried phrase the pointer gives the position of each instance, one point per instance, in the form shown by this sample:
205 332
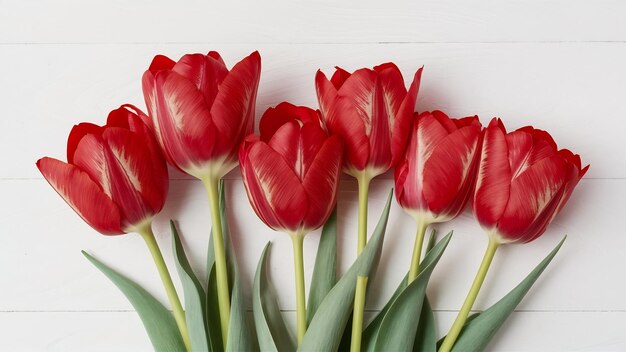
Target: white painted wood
122 331
574 90
325 21
556 64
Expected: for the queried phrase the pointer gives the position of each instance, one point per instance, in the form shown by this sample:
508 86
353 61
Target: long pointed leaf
479 331
328 324
157 320
271 329
240 336
325 270
399 326
426 336
195 298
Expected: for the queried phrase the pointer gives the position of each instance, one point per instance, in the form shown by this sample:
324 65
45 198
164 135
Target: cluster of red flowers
202 117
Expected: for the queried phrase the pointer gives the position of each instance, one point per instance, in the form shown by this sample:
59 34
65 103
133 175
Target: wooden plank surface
558 65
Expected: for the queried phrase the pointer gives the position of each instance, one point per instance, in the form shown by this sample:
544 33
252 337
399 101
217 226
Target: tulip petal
326 93
161 62
380 137
321 183
83 195
393 88
183 121
339 77
76 134
275 192
89 157
344 121
532 192
135 188
233 109
206 72
274 118
449 172
403 120
494 176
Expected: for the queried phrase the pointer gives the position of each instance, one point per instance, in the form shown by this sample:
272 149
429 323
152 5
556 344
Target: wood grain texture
558 65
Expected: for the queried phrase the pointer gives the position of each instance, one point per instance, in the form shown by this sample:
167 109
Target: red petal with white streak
232 111
326 93
344 120
184 122
494 176
321 183
83 195
401 126
129 168
76 134
275 192
531 193
206 73
89 157
449 172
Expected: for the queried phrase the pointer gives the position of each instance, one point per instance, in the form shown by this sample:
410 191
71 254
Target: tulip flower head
436 175
523 182
115 177
371 110
291 172
200 111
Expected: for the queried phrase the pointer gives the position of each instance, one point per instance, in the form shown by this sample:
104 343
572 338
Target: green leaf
479 331
324 273
328 324
369 334
157 320
213 313
240 336
399 326
271 329
426 337
195 298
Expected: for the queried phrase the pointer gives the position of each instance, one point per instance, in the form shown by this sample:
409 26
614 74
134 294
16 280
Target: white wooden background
559 65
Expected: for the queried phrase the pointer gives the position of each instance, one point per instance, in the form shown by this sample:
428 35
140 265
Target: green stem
417 251
455 330
361 285
177 308
298 264
364 186
357 317
223 293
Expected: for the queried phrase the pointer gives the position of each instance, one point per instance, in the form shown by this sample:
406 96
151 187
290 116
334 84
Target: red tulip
435 177
200 111
523 182
371 110
291 172
115 177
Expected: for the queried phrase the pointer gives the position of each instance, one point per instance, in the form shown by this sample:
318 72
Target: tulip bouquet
200 120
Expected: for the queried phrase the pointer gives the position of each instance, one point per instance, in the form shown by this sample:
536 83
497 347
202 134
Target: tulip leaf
195 298
426 336
213 313
324 273
399 325
478 332
272 332
157 320
328 324
369 334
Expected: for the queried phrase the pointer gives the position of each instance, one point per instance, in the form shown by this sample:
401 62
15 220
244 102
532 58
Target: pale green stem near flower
455 330
357 317
298 265
177 308
417 250
223 292
361 285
